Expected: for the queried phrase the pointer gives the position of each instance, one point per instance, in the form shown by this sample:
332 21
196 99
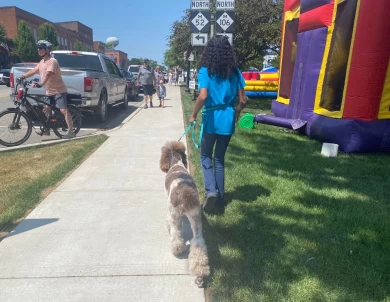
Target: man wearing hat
148 81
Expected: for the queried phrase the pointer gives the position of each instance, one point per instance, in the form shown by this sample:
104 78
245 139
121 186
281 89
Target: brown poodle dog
183 199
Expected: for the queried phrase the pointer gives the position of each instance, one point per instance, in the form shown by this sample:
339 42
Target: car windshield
134 68
79 61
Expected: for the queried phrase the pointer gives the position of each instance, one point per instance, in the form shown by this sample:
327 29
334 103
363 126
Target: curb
62 141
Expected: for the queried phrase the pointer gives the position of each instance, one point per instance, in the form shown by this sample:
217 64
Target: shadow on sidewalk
30 224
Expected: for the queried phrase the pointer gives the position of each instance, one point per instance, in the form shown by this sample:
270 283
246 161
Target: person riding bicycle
55 88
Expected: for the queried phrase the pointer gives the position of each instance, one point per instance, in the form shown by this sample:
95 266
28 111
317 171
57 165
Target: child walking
162 93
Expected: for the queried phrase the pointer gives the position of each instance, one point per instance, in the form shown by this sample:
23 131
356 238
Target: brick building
99 46
67 32
120 57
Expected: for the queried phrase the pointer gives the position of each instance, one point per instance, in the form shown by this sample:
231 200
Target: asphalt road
116 115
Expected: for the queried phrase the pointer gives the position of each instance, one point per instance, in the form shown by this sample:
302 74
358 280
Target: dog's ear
184 158
165 159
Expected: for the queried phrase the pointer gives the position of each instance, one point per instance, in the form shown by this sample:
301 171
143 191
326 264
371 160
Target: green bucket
246 122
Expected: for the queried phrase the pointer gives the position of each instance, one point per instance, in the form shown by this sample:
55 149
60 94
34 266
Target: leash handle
193 136
192 127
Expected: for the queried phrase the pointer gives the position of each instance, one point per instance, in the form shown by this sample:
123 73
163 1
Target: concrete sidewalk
101 235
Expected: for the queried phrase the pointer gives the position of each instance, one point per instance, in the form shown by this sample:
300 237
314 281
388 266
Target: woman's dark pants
214 176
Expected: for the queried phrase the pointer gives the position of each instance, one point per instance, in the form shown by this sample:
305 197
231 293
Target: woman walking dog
219 82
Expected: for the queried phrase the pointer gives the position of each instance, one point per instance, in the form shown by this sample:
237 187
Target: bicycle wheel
14 135
61 129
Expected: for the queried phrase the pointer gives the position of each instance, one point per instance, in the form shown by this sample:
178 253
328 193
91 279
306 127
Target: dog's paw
178 246
199 281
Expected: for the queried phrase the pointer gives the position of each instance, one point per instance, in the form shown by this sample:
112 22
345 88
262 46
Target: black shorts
148 89
58 100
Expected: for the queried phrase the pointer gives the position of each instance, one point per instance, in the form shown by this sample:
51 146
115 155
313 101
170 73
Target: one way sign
199 39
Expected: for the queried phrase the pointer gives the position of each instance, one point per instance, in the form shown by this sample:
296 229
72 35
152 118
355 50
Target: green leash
192 126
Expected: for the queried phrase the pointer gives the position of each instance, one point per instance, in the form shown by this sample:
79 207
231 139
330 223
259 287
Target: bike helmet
44 43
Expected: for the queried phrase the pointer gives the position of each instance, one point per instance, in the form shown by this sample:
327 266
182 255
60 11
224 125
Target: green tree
25 47
172 58
258 29
79 46
135 61
152 63
47 32
3 33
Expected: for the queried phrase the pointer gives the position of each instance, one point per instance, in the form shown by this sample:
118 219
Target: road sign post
201 21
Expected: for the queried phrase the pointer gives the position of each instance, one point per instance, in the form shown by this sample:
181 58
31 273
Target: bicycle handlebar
33 83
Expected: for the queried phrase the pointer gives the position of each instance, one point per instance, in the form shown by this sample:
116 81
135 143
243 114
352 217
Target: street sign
192 84
199 39
225 21
200 4
200 21
229 35
190 58
225 5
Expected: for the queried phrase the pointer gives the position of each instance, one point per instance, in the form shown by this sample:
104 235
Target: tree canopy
3 33
79 46
25 47
47 32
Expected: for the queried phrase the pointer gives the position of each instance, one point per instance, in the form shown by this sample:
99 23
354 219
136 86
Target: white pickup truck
93 80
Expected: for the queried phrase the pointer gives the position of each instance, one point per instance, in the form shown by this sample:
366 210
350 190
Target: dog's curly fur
183 199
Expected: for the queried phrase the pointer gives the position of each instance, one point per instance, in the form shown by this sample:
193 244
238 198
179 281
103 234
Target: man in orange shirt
51 79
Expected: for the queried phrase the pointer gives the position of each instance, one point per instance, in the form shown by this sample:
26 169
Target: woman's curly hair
218 57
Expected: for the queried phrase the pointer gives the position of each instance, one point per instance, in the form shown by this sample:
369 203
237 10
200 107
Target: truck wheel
102 110
125 100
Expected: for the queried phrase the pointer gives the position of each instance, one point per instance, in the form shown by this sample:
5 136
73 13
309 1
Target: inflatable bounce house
335 73
261 84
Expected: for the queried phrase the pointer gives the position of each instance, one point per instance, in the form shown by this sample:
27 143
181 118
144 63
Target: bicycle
15 122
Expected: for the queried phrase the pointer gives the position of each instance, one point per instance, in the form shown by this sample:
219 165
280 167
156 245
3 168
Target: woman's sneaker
146 106
209 204
70 134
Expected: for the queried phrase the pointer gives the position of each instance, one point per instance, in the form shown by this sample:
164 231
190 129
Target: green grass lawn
298 226
28 175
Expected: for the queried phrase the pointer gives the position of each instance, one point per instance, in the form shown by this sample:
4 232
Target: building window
66 43
35 35
58 40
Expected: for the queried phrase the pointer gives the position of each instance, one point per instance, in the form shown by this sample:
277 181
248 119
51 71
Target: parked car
4 76
134 69
93 80
132 88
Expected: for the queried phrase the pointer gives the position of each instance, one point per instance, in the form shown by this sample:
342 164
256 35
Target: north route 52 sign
200 21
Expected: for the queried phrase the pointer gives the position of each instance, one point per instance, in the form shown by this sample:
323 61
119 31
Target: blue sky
141 26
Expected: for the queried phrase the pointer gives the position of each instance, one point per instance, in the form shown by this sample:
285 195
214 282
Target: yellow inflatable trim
260 88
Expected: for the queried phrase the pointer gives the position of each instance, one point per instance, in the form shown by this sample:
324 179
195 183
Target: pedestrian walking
219 82
162 92
147 79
